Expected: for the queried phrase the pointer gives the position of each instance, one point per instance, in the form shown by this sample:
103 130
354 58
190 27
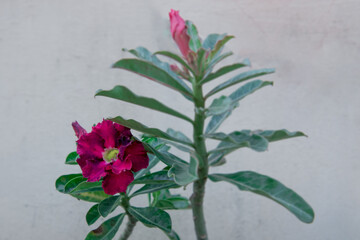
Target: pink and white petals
117 183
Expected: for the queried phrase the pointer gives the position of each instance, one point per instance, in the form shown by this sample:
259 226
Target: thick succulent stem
129 228
124 202
197 197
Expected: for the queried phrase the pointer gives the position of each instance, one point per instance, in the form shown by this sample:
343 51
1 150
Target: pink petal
119 165
124 134
138 162
106 130
116 183
90 146
93 170
136 153
79 130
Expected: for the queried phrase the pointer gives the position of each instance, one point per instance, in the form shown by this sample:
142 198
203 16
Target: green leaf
215 43
146 55
216 159
153 72
96 196
152 131
87 187
220 105
238 139
156 143
165 200
183 172
248 89
126 95
176 58
73 183
270 188
276 135
224 70
71 158
107 230
159 177
174 203
152 217
211 40
92 215
201 61
172 235
240 78
183 175
219 46
215 61
235 97
108 205
178 135
150 188
216 121
61 182
194 42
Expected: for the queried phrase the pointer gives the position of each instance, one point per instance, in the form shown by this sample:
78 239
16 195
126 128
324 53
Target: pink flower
109 152
179 32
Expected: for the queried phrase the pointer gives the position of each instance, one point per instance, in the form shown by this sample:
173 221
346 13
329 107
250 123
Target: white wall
55 54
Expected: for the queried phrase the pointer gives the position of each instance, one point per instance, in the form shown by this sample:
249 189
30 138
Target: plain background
55 54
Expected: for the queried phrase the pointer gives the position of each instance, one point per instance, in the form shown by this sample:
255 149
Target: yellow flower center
110 154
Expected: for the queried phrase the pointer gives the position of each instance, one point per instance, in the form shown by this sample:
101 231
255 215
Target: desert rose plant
117 166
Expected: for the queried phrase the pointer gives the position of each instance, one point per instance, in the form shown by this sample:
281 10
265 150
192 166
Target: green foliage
107 230
71 158
165 200
160 177
240 78
182 172
232 101
215 43
175 57
124 94
270 188
146 55
224 70
150 188
87 187
195 42
152 217
61 182
92 215
93 196
238 139
152 131
108 205
153 72
276 135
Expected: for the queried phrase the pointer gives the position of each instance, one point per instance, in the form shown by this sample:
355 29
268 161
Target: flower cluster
109 152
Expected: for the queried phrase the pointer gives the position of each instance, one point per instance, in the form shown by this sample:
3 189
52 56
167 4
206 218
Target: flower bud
179 32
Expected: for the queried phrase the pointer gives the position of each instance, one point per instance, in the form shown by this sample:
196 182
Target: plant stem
197 197
124 202
129 228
